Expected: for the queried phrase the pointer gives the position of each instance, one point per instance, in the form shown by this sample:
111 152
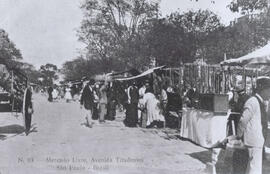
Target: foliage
110 29
48 74
8 50
247 6
182 37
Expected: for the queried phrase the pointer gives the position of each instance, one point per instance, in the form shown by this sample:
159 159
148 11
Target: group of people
147 107
98 101
55 92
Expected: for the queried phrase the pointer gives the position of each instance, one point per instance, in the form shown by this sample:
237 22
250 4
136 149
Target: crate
217 103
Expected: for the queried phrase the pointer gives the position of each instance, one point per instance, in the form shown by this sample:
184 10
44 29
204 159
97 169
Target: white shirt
142 91
250 126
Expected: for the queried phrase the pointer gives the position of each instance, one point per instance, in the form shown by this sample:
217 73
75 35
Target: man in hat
252 127
87 101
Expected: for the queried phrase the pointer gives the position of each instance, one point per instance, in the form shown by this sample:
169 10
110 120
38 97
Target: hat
84 78
263 82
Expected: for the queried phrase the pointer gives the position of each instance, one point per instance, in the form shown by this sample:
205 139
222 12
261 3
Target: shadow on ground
12 129
223 165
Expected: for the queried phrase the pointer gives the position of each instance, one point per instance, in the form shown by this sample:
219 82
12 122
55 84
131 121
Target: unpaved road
60 143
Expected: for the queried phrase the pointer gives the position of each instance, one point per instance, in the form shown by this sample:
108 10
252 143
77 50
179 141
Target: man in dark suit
87 101
50 90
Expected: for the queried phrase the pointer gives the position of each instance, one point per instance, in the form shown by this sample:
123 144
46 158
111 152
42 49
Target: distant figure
50 90
142 90
96 94
68 96
102 102
111 105
55 94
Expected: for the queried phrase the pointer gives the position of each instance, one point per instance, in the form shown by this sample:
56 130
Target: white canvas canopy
141 75
260 56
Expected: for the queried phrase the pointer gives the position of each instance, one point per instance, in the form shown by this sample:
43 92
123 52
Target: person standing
28 110
55 94
141 94
87 101
96 94
68 96
252 127
102 102
132 106
153 112
111 106
50 90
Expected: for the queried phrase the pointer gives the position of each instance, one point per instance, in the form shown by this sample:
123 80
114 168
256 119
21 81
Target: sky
45 30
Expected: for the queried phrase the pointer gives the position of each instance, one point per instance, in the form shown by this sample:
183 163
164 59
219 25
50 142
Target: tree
247 6
182 37
31 72
8 51
110 29
48 73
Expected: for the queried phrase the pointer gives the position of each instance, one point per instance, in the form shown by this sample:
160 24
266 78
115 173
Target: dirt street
60 143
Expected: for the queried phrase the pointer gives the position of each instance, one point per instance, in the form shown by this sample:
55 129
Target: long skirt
95 111
111 110
103 111
131 115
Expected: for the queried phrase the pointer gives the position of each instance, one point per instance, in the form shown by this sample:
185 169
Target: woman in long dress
68 96
152 105
55 94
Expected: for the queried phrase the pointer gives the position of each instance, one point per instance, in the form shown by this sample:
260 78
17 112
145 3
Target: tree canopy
125 34
111 28
247 6
8 50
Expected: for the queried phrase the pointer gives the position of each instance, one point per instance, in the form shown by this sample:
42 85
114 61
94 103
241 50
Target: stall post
244 79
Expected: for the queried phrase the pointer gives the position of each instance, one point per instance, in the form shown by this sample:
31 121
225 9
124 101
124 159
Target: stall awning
260 57
141 75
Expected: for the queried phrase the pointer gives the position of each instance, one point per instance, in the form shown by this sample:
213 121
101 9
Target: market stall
207 109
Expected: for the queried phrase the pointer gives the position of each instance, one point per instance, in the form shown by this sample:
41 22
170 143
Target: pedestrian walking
252 127
68 96
87 102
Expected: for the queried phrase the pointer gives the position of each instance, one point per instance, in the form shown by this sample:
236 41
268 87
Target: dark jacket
87 98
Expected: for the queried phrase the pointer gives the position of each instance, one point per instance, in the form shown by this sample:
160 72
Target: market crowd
148 104
144 104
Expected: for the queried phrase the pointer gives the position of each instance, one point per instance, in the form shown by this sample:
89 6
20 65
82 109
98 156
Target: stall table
205 128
